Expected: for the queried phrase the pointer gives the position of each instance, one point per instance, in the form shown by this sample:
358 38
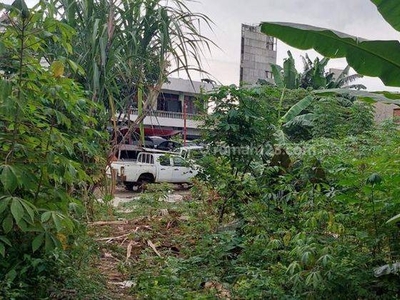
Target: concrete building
382 111
258 51
176 110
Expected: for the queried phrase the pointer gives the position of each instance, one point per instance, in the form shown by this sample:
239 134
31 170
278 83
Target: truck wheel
129 186
142 185
187 186
142 182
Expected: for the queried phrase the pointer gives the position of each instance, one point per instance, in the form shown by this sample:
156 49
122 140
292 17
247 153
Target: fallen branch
113 237
100 223
152 246
129 249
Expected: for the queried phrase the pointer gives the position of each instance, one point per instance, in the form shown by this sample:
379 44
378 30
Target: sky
355 17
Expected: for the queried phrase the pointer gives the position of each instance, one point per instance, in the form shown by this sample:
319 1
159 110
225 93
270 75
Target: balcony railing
168 114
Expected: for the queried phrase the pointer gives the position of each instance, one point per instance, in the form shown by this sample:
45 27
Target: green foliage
315 230
344 118
306 221
296 109
314 73
344 79
310 233
237 130
241 121
389 12
329 117
313 76
371 58
127 49
290 73
306 230
50 151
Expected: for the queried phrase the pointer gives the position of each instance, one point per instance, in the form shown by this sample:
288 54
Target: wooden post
113 182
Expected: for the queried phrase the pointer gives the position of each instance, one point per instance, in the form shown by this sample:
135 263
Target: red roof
159 131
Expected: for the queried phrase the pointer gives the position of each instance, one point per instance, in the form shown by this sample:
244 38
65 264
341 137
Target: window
164 160
268 74
149 159
270 43
128 154
142 158
179 161
169 102
184 153
146 159
191 107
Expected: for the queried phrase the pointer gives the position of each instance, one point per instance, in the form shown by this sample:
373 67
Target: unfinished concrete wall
258 51
384 111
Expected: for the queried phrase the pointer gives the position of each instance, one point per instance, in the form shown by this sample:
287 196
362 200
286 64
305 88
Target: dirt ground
121 245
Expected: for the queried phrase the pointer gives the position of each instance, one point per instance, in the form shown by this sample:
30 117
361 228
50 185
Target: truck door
164 169
181 171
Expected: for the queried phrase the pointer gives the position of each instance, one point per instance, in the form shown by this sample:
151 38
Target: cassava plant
50 150
238 130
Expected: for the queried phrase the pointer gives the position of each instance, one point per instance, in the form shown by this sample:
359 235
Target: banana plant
344 79
366 57
286 77
292 116
313 75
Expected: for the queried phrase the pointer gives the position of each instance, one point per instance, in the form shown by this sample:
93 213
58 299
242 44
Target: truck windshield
179 161
164 160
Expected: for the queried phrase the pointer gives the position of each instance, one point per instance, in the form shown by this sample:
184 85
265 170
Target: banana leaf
278 78
296 109
370 58
390 11
385 97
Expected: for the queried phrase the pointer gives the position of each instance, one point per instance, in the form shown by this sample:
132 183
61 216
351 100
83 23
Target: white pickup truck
153 167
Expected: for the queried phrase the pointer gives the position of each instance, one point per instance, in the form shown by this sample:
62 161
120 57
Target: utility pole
184 121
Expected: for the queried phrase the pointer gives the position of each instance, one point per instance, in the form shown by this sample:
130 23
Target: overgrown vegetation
293 200
51 157
313 76
308 222
56 78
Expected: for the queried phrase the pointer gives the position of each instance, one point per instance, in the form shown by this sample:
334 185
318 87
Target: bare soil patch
122 241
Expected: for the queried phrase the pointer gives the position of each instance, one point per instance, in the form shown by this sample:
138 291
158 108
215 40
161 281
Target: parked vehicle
168 145
148 142
153 167
127 152
191 153
130 152
157 140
